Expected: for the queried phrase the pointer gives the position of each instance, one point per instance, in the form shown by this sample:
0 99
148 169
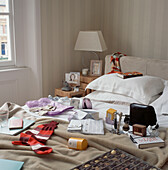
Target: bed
64 158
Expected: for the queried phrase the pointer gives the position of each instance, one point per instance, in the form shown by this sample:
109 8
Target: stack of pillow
144 89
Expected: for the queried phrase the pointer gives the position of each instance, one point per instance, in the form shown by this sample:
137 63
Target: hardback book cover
16 123
129 74
10 164
26 123
146 142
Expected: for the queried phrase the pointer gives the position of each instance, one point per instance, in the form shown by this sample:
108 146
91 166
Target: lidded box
77 143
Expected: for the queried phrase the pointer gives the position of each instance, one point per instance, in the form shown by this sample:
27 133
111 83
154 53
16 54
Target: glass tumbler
4 118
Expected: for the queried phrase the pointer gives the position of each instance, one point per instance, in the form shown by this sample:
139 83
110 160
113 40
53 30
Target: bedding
124 107
161 104
64 158
141 89
161 107
112 97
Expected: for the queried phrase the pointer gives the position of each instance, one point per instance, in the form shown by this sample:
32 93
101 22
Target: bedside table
84 81
70 94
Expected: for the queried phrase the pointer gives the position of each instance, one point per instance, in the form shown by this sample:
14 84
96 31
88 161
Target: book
26 123
146 142
10 164
129 74
16 124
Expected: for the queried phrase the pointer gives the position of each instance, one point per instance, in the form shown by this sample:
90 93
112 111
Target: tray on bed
116 159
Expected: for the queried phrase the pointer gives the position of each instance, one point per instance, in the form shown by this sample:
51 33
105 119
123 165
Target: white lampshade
90 41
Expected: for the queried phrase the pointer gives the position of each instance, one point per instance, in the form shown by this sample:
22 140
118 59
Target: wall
23 82
28 46
136 27
61 22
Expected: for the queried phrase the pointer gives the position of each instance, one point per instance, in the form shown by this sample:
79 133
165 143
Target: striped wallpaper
134 27
137 27
61 22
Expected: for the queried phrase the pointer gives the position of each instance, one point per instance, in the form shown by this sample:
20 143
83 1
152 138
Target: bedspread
64 158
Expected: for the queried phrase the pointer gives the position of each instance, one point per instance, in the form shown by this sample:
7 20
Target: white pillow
111 97
141 88
161 104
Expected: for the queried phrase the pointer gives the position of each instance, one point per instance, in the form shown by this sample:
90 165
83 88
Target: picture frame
96 67
73 78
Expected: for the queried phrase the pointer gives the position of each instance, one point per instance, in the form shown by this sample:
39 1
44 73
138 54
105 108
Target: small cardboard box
139 130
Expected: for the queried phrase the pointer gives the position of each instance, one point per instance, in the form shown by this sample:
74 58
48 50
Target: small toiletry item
86 104
110 114
77 143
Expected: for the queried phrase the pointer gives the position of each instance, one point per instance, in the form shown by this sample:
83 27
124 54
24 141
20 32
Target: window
6 33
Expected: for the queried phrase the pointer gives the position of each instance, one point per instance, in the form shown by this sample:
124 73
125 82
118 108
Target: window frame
11 36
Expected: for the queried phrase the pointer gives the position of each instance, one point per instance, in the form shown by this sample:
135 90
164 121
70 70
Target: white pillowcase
161 104
141 88
111 97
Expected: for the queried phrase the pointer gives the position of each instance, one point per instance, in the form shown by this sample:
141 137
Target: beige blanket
64 158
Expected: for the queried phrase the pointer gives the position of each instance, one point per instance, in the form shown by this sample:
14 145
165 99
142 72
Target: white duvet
102 101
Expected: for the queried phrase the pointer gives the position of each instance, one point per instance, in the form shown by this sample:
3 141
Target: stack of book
146 142
129 74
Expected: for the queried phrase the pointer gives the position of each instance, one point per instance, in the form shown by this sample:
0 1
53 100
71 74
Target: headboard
147 66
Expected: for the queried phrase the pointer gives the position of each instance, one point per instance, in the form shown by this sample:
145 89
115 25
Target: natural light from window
5 32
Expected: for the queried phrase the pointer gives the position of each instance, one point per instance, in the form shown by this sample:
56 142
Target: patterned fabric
42 104
115 62
37 138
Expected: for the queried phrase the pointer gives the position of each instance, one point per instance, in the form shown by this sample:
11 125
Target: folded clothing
43 102
84 114
87 126
42 110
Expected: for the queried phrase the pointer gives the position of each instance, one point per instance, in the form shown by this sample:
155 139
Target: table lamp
92 41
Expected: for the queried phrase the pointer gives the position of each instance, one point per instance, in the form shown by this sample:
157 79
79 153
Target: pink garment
60 108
